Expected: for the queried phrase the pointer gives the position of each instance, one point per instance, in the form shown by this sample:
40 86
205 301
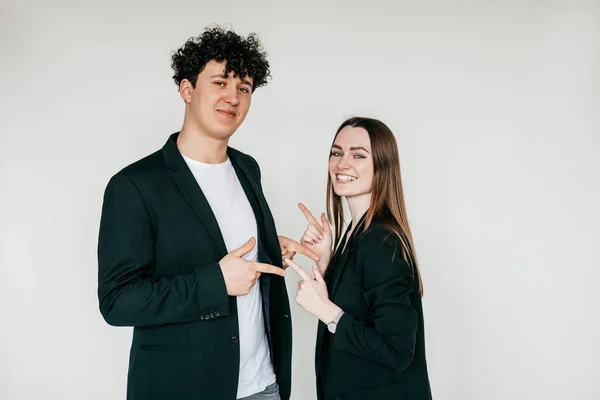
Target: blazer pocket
166 347
165 371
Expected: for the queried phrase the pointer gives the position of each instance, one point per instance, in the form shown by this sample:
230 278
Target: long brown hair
387 196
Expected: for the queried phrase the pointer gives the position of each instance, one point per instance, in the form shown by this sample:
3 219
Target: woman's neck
358 206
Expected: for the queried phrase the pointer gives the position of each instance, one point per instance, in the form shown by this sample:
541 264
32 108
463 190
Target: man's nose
232 96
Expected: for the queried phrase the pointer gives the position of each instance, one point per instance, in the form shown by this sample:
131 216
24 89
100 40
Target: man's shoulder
145 167
243 156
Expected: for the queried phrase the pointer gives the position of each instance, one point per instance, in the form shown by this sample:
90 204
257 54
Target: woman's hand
317 237
312 294
290 247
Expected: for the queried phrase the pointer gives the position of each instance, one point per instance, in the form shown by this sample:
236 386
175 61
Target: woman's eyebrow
360 148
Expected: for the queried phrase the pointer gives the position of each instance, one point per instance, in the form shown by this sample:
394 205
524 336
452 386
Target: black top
378 350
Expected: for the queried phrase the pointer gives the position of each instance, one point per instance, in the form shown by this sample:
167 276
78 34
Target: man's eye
245 90
220 83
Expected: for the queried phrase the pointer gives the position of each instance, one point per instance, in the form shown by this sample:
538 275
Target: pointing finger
310 217
269 269
298 270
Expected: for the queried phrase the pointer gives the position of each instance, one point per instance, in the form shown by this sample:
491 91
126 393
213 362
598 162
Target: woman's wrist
323 263
330 311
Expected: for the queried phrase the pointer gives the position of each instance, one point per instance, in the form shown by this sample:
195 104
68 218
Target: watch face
331 327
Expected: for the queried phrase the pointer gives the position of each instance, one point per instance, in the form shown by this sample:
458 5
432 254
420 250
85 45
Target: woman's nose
343 163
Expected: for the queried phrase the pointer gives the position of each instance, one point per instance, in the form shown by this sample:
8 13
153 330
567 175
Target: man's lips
228 113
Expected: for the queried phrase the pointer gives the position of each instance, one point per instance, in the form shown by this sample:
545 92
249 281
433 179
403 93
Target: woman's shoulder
379 242
379 250
378 233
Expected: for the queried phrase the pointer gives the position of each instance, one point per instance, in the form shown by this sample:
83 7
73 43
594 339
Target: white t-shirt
237 223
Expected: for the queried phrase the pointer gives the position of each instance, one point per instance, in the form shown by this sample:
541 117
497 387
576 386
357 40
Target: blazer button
234 339
217 314
211 315
202 316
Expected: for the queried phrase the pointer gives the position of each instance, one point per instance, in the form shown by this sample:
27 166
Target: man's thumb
244 249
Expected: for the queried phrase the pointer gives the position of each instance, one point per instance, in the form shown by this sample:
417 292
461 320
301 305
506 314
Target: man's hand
239 274
290 247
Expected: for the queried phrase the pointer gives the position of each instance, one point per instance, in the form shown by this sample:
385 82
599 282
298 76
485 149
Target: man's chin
224 133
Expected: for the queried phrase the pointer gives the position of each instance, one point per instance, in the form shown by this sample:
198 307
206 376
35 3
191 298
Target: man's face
218 104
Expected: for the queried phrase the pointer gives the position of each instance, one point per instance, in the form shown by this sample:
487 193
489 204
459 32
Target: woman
370 342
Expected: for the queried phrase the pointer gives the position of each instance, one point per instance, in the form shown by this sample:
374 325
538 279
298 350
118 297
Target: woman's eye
359 156
335 154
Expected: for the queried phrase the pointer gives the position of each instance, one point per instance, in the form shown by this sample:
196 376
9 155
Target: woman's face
351 163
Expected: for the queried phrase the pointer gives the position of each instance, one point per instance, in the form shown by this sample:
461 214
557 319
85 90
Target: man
187 245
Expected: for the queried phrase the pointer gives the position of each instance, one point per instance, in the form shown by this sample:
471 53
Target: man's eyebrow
223 76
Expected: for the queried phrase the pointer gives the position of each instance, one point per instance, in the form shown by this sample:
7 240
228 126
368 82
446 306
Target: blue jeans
271 392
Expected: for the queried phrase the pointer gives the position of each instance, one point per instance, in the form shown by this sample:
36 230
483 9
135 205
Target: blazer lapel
331 278
343 257
265 229
264 219
185 181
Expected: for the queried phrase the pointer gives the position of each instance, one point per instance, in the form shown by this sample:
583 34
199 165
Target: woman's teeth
345 178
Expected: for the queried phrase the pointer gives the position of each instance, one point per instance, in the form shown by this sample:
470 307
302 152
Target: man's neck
197 146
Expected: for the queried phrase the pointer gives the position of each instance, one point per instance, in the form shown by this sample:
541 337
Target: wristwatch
333 324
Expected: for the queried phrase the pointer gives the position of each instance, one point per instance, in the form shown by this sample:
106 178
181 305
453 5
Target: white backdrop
495 106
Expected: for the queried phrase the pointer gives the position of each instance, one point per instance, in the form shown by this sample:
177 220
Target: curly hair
243 56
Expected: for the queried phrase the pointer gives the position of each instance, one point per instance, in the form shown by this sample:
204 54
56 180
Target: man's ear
185 90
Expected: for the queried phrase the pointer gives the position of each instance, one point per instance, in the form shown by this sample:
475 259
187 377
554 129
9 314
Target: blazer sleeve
389 339
127 292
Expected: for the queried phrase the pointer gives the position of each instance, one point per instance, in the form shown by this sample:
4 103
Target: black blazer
158 254
378 350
